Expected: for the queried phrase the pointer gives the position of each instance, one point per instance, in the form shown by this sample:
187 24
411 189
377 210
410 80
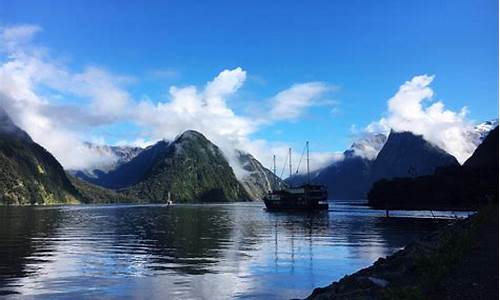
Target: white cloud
413 109
293 102
32 84
58 107
25 72
139 142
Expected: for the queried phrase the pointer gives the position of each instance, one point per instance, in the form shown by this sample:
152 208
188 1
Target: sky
258 76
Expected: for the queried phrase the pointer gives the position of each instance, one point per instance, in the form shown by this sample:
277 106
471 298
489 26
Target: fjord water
192 251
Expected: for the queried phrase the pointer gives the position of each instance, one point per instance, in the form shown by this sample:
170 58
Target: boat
169 200
306 197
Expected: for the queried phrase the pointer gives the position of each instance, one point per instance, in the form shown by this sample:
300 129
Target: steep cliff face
258 180
28 173
405 154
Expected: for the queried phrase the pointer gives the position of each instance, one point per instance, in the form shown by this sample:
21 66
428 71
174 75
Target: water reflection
24 243
190 251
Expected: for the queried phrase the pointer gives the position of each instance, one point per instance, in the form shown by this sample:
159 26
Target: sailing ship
306 197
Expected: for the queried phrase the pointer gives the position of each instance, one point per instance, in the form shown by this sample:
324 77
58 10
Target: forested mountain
190 168
29 174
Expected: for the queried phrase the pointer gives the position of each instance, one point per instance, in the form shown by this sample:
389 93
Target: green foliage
433 267
192 170
31 175
97 195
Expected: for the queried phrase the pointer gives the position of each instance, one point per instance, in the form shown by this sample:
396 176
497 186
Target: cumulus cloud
413 109
30 81
58 106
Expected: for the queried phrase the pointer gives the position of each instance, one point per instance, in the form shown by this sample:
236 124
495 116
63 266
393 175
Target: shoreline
354 203
455 261
410 208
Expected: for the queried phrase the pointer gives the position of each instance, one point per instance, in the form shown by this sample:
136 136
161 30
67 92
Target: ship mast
308 176
290 160
274 168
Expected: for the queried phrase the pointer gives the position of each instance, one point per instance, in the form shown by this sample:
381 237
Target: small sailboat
306 197
169 200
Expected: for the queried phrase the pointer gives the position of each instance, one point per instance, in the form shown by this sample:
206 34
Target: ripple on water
192 251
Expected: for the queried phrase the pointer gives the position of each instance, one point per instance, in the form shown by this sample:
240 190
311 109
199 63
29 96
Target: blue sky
363 50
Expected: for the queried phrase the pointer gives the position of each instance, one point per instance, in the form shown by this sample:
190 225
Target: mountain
29 174
481 130
131 172
368 146
91 193
486 154
258 180
469 186
406 154
355 167
347 179
190 168
117 156
375 157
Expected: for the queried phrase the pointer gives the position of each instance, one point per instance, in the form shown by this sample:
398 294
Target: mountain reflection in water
192 251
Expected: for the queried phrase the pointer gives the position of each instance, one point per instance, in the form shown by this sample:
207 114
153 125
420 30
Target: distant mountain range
192 169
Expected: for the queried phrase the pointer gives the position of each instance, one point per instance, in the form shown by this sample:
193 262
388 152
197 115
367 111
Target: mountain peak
405 137
190 135
407 154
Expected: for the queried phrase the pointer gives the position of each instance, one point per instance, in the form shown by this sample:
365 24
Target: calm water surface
192 251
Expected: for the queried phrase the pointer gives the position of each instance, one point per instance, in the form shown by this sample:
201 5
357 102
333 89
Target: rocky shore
459 261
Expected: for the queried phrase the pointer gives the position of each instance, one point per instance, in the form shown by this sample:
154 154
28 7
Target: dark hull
304 198
285 206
